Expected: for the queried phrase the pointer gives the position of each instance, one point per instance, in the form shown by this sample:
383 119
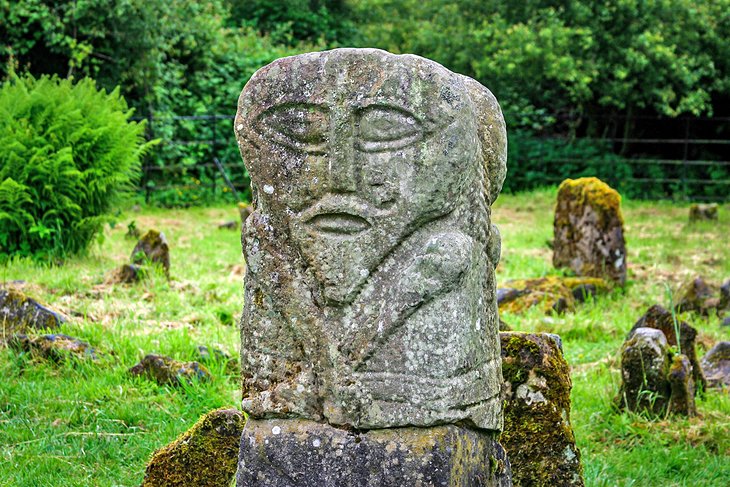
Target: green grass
92 424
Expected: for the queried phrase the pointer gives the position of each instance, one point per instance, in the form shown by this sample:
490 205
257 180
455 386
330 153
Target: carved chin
342 265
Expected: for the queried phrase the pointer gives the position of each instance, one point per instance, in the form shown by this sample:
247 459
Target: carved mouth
339 223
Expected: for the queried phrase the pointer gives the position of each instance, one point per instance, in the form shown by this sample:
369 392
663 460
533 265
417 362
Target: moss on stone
20 314
603 198
204 456
551 294
537 433
165 370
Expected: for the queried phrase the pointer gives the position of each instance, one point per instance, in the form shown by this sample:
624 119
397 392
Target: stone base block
301 453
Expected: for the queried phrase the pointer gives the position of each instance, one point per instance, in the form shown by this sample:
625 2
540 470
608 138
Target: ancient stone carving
370 296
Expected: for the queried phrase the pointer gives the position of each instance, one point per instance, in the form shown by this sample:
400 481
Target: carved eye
300 127
386 128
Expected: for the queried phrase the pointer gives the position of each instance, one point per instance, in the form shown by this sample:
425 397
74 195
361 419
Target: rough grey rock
659 318
55 347
703 212
302 453
725 296
682 399
696 295
128 274
645 362
537 432
152 248
589 230
21 314
716 364
165 370
370 296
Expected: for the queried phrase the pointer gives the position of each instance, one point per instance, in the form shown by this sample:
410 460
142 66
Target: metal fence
683 158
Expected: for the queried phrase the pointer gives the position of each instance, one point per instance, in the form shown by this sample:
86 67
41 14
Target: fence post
685 191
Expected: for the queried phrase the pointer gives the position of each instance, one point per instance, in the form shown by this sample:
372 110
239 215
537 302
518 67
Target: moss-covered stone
682 399
152 248
716 364
725 296
551 294
588 230
56 347
165 370
660 319
128 274
537 432
645 363
696 295
21 314
204 456
703 212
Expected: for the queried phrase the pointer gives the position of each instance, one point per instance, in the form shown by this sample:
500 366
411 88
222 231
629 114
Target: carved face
354 154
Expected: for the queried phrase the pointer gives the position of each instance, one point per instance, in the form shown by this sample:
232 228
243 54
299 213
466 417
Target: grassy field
82 423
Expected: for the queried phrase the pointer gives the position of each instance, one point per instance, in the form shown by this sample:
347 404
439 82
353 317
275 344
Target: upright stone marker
589 230
370 351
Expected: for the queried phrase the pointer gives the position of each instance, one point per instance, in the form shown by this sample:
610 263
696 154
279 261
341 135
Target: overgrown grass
83 423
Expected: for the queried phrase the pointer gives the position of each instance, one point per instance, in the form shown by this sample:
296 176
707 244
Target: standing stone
370 298
589 230
152 248
660 319
537 433
724 296
682 398
645 362
716 363
703 212
696 295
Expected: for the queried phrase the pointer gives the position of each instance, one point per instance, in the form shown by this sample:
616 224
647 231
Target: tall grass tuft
69 152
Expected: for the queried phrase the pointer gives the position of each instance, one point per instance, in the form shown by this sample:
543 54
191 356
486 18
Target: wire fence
682 159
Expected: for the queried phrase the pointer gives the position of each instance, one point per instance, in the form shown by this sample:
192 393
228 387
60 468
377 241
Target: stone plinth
302 453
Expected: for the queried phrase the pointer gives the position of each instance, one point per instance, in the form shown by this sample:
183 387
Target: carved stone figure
370 297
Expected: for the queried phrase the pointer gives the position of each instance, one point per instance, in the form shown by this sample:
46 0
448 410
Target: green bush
68 153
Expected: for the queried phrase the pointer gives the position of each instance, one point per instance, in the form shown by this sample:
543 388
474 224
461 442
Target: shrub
68 153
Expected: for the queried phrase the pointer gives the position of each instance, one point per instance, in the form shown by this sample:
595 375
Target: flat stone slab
302 453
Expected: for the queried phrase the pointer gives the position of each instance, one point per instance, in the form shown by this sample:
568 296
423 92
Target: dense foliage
68 152
564 69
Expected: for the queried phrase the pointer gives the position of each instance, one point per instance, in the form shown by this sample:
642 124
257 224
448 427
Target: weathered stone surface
725 296
703 212
21 314
165 370
212 355
302 453
537 432
660 319
645 362
682 399
370 295
229 225
551 294
203 456
56 347
152 248
128 274
588 229
716 364
696 295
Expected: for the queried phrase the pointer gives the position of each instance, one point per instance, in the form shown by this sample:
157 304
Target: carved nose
342 164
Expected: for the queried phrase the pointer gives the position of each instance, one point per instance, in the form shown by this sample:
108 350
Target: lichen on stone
167 371
551 294
21 314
